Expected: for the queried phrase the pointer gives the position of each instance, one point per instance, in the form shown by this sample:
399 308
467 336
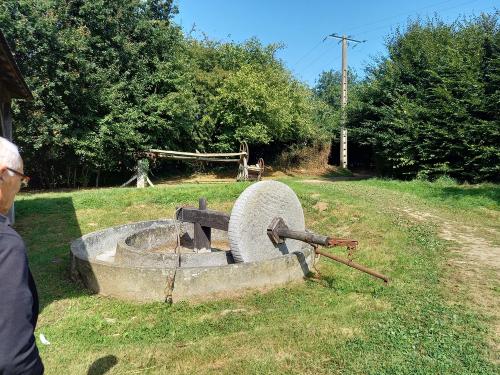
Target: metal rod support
308 237
278 232
357 266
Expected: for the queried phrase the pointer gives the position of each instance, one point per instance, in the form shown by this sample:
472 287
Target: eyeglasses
24 179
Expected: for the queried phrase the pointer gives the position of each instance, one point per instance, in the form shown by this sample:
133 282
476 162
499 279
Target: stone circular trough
139 261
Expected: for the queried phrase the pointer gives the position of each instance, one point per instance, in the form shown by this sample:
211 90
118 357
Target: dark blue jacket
18 307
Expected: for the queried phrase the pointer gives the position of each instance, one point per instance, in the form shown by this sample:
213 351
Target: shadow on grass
341 174
48 225
210 173
102 365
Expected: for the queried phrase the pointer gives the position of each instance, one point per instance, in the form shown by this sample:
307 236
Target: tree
429 108
96 69
112 78
245 94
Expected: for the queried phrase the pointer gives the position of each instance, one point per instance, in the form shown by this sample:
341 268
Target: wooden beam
11 75
254 168
6 128
7 121
206 155
201 158
1 119
206 218
4 93
202 234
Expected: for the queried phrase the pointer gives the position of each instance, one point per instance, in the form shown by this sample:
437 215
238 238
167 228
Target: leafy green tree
328 94
431 107
96 69
245 94
328 87
112 78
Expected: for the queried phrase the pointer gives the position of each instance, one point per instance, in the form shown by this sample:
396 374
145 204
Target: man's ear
3 170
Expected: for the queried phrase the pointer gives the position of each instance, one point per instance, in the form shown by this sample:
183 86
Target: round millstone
252 213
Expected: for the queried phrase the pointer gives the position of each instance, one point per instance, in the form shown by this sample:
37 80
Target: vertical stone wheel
252 213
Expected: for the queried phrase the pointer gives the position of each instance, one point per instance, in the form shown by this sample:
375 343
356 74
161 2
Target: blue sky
302 25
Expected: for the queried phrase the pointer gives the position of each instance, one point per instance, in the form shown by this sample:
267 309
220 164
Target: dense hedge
113 77
432 107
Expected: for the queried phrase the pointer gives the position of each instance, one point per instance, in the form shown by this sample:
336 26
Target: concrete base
125 274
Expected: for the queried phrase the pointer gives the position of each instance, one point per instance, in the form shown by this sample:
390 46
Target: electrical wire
369 30
313 62
306 54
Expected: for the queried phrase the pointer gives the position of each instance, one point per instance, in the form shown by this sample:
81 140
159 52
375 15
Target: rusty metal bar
313 238
357 266
308 237
350 244
278 231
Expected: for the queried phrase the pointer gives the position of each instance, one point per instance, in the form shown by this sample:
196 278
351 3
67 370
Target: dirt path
476 267
478 251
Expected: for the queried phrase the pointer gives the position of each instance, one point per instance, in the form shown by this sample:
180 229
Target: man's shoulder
9 237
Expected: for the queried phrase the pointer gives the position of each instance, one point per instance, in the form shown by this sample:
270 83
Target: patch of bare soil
321 206
477 267
478 251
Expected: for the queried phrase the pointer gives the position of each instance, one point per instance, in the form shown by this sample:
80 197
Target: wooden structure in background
12 86
246 172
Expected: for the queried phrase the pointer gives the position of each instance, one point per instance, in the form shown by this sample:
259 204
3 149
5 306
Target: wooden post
141 176
2 131
6 127
7 121
202 235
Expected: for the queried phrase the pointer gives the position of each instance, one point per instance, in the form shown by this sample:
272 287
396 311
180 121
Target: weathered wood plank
6 121
202 234
208 155
206 218
1 118
254 168
4 93
201 158
6 132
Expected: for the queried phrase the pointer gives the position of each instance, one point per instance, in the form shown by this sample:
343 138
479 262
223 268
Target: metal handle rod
314 238
318 239
350 263
308 237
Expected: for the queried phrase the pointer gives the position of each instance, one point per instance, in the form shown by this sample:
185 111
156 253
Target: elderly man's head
11 174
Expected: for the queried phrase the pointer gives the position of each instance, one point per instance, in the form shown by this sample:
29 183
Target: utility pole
343 95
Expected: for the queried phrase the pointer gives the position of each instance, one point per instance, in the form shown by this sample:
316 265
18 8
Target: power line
399 14
318 58
306 54
366 31
313 62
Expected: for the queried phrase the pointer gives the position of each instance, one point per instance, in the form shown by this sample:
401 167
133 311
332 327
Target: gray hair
9 155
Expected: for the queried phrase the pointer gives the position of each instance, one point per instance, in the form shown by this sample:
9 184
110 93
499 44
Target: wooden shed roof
10 76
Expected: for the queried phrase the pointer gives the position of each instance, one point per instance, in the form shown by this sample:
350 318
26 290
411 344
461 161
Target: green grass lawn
347 322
